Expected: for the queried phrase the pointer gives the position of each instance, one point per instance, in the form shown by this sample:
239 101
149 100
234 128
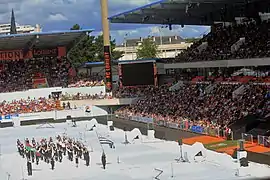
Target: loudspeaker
180 142
241 145
111 128
243 162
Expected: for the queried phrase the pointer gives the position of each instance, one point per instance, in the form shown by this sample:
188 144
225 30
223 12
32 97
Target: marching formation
51 151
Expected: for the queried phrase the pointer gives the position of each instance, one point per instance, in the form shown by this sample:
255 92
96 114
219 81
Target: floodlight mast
107 45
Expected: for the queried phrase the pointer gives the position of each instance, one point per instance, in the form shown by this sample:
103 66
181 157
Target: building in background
15 28
168 46
5 29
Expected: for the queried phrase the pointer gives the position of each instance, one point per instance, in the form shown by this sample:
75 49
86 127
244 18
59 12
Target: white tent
195 153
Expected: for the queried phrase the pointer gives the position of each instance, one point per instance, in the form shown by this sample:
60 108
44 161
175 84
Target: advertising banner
36 53
52 52
142 119
14 55
39 83
197 129
108 68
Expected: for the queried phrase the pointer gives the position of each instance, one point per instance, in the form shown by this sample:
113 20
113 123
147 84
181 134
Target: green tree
91 49
191 40
115 55
147 50
75 27
82 52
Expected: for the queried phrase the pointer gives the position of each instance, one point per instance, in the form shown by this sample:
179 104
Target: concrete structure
5 29
169 47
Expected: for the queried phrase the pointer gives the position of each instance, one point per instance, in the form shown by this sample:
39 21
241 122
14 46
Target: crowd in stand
83 80
82 96
221 39
27 106
214 105
21 75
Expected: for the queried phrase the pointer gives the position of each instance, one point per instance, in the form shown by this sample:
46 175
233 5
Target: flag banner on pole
28 147
103 140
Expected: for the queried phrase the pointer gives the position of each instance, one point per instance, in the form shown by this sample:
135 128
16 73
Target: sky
62 14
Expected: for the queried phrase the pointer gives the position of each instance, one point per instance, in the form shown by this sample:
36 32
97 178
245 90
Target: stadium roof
41 39
101 63
180 12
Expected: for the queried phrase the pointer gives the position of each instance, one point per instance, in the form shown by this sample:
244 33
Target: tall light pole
107 45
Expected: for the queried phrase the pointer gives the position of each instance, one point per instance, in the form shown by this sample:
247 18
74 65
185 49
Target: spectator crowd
27 106
219 41
212 105
21 75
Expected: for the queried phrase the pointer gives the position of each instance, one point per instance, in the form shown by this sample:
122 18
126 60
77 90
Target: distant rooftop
156 39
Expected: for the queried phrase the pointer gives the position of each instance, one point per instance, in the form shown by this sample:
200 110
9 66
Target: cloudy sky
62 14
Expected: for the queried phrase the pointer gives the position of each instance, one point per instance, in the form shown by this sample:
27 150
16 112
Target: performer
29 167
103 160
27 154
52 163
33 142
77 160
60 155
87 157
32 156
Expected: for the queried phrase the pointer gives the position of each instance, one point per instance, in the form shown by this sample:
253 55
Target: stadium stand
226 71
38 60
194 103
27 106
220 42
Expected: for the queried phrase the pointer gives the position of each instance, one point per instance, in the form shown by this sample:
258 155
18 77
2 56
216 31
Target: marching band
51 151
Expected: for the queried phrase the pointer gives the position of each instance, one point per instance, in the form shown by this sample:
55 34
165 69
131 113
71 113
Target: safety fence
259 139
263 141
185 125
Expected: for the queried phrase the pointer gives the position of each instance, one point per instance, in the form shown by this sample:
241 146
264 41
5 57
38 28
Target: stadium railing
183 125
248 138
263 141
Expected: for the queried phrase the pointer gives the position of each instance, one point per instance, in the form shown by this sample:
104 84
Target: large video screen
138 74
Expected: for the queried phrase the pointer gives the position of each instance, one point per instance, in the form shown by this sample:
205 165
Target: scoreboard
138 73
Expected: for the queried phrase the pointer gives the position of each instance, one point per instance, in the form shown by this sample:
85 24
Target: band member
60 155
103 160
77 160
34 142
27 154
86 157
32 156
29 168
37 159
52 163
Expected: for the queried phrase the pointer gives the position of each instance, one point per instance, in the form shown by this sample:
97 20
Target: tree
147 50
91 49
75 27
115 55
191 40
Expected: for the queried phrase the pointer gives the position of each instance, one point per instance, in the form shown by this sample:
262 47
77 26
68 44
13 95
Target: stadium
201 115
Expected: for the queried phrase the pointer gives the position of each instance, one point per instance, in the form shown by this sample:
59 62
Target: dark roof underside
182 12
41 40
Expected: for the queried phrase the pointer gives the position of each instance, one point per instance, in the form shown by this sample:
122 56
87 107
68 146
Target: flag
103 140
28 147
